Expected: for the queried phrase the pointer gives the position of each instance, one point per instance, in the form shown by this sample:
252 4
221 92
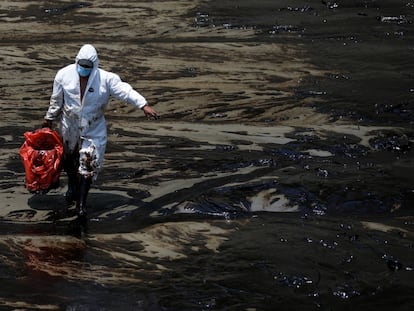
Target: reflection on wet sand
112 258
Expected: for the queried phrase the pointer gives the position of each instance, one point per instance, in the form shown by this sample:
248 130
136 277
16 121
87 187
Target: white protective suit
82 124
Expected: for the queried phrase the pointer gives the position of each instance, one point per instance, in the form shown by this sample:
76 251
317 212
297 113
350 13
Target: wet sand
264 108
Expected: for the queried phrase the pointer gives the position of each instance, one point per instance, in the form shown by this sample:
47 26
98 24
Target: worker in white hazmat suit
81 92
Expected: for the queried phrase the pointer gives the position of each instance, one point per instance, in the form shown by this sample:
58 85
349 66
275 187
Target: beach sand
246 126
212 87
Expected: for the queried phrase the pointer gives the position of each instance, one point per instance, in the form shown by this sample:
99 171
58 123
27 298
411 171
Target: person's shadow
103 208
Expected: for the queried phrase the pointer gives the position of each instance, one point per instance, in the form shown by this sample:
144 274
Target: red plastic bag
41 154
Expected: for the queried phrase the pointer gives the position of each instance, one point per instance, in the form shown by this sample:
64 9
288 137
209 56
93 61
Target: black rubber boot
83 190
72 192
70 165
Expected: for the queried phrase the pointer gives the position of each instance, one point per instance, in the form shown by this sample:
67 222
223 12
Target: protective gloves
47 123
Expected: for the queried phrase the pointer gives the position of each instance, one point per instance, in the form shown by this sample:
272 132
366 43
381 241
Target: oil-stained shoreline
265 108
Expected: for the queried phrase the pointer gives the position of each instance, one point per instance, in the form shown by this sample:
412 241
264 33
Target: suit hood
88 51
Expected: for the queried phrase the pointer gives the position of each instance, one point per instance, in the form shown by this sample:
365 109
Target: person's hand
47 123
150 112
